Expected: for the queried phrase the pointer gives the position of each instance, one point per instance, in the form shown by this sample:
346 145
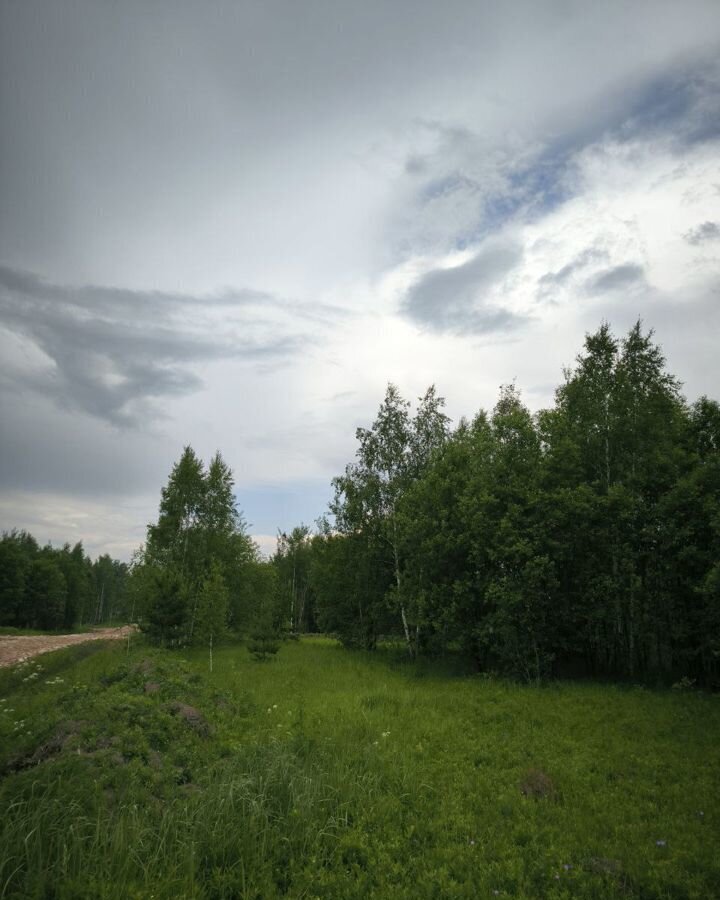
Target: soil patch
17 648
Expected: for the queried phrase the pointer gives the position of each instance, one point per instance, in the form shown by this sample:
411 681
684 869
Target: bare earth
14 648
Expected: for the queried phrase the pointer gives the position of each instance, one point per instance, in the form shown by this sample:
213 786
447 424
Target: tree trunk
406 627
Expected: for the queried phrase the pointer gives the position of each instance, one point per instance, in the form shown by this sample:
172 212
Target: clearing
133 772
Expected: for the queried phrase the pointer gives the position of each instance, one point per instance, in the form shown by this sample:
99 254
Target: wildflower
661 843
567 867
386 734
269 709
274 706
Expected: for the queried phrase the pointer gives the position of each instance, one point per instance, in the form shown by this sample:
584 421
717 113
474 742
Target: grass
329 774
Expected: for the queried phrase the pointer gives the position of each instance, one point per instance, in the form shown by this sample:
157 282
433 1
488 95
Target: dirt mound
55 744
192 716
538 785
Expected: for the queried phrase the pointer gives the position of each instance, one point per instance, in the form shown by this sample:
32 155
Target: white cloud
368 160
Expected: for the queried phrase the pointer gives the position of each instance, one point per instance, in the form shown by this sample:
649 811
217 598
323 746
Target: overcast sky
230 224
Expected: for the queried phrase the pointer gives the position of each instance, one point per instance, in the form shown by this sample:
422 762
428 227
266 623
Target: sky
231 224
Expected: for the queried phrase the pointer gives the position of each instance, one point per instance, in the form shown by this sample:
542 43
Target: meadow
324 773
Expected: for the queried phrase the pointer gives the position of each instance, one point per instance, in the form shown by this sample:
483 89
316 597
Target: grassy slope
337 775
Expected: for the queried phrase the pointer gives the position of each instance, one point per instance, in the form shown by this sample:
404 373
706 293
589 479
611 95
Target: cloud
104 525
456 299
114 353
580 262
364 150
682 101
708 231
463 183
617 278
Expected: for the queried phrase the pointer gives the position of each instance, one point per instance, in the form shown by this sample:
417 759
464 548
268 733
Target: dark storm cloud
110 352
455 299
683 101
42 448
617 278
708 231
580 262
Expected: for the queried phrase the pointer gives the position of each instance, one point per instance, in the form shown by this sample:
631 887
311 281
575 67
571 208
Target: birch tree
390 456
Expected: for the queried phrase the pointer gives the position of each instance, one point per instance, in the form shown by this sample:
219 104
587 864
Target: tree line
53 589
583 539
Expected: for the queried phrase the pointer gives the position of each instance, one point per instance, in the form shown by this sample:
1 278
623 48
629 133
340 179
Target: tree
167 602
391 454
212 611
264 641
292 561
198 528
46 592
176 540
351 575
18 549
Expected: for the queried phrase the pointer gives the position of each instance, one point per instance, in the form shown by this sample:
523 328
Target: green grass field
331 774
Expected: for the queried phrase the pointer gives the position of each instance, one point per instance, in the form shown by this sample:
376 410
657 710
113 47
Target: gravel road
16 647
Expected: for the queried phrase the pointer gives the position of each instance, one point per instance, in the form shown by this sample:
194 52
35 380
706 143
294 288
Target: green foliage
199 535
390 457
263 643
583 539
46 592
52 589
347 775
167 608
292 561
351 577
212 609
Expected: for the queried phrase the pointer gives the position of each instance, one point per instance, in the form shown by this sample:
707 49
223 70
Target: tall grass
338 775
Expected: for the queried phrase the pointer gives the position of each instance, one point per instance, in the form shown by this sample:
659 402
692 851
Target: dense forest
56 589
580 540
584 539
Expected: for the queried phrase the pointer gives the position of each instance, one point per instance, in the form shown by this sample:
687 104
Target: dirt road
14 648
